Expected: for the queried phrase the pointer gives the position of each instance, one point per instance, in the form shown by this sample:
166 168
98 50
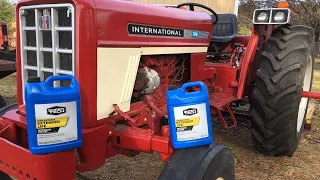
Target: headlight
279 16
262 17
271 16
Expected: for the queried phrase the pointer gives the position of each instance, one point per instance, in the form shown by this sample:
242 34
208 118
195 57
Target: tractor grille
47 41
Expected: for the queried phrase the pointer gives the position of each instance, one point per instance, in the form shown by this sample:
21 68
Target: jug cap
34 79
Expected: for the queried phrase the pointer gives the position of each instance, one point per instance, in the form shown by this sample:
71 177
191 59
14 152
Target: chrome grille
47 48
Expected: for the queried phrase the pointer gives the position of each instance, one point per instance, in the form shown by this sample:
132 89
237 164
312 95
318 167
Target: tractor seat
225 29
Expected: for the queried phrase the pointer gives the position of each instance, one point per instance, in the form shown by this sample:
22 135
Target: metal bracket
224 122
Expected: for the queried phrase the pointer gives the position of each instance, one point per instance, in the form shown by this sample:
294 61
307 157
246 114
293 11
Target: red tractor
126 55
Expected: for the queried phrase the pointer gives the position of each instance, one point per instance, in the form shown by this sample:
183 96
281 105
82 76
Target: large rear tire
277 110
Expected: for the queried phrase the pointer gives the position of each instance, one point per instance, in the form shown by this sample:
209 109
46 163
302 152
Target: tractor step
220 101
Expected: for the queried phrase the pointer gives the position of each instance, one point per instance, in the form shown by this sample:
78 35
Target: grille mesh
47 41
47 60
64 21
32 58
31 38
30 18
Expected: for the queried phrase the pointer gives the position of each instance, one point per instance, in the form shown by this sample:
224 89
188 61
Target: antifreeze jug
53 115
189 116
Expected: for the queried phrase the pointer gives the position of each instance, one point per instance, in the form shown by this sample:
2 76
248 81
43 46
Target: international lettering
154 31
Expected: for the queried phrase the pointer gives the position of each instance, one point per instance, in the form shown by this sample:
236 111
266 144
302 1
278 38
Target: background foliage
307 13
7 14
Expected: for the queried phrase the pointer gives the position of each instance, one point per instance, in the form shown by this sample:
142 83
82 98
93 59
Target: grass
316 77
8 88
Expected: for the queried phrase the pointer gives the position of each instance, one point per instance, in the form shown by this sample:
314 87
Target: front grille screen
47 41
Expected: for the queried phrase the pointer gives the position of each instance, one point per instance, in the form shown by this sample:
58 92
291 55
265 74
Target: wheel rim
304 101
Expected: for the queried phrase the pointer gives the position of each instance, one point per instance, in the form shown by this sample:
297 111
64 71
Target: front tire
4 176
211 162
277 110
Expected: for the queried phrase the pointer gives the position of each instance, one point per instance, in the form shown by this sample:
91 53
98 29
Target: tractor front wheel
4 176
277 109
213 162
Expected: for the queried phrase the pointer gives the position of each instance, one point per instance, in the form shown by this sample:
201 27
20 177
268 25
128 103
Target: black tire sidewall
200 163
4 176
222 165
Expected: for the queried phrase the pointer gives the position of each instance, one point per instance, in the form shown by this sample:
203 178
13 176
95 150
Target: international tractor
126 55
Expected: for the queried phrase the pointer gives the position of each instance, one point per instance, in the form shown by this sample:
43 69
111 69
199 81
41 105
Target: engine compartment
157 74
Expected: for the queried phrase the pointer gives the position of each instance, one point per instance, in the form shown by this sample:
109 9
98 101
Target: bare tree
245 13
307 13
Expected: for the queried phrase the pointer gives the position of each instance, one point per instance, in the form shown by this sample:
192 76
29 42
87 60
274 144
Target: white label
56 123
191 122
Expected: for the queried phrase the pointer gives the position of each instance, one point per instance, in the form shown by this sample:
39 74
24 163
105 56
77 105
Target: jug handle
51 79
203 87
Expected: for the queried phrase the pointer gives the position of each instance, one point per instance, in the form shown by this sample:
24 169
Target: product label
191 122
56 123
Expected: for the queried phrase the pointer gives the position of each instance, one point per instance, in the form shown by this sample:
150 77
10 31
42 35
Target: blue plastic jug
189 116
53 115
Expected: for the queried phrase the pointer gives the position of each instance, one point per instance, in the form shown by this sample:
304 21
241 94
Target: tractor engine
156 74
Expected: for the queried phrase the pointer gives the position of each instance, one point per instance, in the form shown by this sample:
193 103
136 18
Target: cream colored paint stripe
171 50
116 72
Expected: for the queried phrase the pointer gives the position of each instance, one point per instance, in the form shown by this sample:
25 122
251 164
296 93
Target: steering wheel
191 5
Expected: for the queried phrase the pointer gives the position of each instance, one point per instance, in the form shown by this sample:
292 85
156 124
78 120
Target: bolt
110 132
145 119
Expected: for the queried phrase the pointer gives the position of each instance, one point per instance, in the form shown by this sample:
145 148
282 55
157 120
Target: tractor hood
86 35
120 22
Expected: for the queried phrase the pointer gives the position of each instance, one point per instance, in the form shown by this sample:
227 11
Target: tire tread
276 96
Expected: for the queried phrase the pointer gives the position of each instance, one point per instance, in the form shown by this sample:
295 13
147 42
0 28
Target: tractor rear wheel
212 162
277 110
